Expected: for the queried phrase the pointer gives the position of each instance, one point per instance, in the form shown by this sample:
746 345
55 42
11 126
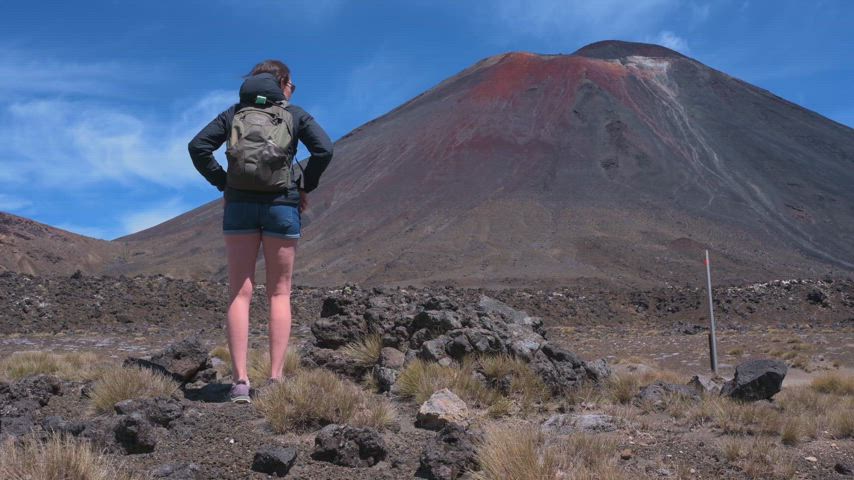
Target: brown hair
276 67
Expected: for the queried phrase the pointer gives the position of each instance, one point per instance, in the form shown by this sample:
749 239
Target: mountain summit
622 161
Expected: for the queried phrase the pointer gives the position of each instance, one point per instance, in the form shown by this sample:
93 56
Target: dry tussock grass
313 398
258 365
221 352
524 453
365 351
58 458
124 383
524 384
420 379
69 366
622 387
758 458
834 383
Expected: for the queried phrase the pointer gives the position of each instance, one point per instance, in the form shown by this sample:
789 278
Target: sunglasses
293 87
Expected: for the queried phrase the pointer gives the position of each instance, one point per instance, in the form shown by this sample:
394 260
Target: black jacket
306 130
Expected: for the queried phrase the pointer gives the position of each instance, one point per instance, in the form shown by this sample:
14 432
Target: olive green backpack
258 148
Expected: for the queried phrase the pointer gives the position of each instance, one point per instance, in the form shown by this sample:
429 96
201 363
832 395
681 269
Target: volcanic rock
181 360
560 369
756 380
442 408
274 459
338 330
161 410
177 471
567 424
656 395
349 446
391 358
385 377
452 452
135 434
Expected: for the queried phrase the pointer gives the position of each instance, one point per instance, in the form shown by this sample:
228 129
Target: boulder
335 305
135 434
439 321
334 360
705 384
656 395
560 369
598 369
385 377
442 408
181 360
274 460
567 424
452 452
161 410
349 446
58 424
391 358
510 314
339 330
434 350
756 380
15 427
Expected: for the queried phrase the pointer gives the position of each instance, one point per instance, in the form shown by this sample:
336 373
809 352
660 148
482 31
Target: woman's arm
203 145
315 139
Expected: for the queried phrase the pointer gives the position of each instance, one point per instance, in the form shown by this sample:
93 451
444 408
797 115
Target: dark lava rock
436 321
598 370
817 297
177 471
434 350
135 434
349 446
339 330
657 394
560 369
274 459
28 393
334 306
334 360
180 360
161 410
58 424
385 377
843 469
391 358
449 454
756 380
16 426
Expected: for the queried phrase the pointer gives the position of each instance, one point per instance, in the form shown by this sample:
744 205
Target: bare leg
242 252
279 254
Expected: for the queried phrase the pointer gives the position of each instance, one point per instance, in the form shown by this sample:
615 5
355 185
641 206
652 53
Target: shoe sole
241 400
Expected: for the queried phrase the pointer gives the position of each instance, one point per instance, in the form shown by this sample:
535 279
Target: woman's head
280 71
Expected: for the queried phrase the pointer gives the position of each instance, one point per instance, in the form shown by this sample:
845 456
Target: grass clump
221 352
834 383
312 398
258 365
68 366
524 383
125 383
58 458
420 379
524 452
365 351
758 457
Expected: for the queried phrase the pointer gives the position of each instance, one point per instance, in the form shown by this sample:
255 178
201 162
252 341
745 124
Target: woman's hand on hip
303 201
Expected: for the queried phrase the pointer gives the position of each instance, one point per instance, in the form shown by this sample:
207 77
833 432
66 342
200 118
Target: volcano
622 161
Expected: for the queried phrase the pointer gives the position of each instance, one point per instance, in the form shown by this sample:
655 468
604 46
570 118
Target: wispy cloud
672 41
9 203
88 231
24 73
153 215
563 19
67 144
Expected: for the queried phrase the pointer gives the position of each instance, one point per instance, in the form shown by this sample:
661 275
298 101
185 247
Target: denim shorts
281 221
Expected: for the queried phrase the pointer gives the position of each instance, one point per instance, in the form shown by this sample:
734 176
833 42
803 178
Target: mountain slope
622 161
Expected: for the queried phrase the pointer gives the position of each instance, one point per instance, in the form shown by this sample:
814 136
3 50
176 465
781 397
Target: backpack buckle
260 100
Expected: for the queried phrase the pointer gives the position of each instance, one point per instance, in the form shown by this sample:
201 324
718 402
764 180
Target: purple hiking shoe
240 392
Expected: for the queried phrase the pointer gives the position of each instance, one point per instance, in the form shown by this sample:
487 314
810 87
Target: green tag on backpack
260 100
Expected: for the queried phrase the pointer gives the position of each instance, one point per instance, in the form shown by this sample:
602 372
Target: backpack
258 148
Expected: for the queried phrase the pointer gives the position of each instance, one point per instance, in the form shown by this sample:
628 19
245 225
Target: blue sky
98 99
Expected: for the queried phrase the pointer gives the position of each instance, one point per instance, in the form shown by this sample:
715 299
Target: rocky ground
806 326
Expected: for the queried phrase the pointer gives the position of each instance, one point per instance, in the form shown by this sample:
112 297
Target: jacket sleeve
202 146
315 139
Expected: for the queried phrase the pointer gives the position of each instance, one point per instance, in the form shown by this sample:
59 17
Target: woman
255 218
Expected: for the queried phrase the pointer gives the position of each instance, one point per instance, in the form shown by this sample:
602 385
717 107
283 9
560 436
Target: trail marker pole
713 344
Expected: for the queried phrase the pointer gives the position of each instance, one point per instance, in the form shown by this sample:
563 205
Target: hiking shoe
240 392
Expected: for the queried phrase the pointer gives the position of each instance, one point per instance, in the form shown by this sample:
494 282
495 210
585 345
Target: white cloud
24 73
672 41
562 19
153 216
9 203
58 143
